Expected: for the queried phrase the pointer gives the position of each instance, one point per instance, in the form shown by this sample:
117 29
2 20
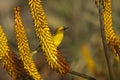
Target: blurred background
81 46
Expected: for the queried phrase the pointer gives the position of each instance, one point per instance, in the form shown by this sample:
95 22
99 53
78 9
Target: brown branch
105 46
82 75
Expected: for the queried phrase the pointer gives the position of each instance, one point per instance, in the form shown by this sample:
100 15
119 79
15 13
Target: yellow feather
58 36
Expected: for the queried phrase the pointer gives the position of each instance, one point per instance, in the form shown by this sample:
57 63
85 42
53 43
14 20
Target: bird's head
61 29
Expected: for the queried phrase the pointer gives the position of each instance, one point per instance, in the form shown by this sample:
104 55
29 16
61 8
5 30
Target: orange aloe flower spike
10 61
4 49
111 37
54 58
4 53
23 47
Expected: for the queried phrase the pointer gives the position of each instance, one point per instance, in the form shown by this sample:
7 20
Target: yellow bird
57 38
58 35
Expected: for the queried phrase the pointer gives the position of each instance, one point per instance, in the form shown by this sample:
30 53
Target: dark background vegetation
81 16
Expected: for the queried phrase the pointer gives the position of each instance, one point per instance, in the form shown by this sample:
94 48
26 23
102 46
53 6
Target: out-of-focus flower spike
53 57
23 47
88 58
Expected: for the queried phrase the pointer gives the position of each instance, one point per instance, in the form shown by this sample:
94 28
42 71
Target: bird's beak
65 28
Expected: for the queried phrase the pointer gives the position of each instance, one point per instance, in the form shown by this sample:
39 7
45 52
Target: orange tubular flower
54 58
10 61
111 37
4 49
23 47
